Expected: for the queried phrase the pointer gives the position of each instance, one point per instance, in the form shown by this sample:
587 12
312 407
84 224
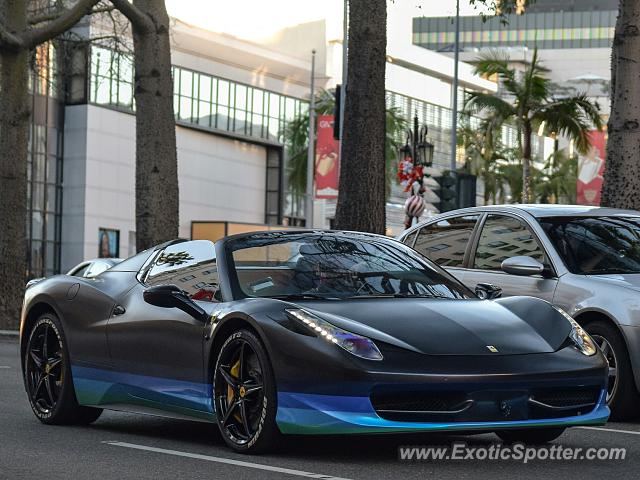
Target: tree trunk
361 198
526 162
621 187
157 208
14 134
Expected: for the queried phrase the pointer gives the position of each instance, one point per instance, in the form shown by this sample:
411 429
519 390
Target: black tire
246 412
622 396
531 436
47 376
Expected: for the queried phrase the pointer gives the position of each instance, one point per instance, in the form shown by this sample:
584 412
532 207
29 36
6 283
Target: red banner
327 161
591 170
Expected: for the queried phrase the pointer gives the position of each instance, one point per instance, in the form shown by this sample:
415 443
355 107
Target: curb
9 334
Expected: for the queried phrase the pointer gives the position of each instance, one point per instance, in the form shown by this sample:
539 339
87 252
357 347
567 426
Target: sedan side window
191 266
505 237
445 241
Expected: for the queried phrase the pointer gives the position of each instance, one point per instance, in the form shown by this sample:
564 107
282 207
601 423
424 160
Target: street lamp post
416 154
311 167
417 147
454 99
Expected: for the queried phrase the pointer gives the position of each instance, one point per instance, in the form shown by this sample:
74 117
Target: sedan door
446 242
158 352
504 236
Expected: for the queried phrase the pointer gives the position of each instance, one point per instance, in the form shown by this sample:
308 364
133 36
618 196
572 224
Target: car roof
549 210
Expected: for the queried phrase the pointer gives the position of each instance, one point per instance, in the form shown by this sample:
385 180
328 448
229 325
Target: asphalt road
122 446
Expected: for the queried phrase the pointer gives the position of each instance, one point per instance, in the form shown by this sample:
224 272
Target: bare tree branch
141 21
9 40
63 22
47 17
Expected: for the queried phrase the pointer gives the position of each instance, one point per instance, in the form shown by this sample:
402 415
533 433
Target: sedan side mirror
487 291
523 266
170 296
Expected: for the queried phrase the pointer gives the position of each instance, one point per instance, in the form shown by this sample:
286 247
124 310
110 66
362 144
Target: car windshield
335 266
596 245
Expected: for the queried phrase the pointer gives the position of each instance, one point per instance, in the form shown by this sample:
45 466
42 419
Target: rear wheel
47 376
245 395
533 436
622 396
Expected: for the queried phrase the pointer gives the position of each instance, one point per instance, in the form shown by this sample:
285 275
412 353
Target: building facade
573 39
233 99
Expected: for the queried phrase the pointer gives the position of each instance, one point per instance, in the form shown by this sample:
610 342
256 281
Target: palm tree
558 179
484 152
620 188
528 103
361 201
297 139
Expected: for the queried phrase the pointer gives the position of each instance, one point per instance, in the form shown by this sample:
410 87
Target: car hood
515 325
625 280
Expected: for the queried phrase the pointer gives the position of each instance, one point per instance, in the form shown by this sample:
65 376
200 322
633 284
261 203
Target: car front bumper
330 414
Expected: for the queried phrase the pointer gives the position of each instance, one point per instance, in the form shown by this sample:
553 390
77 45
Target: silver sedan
585 260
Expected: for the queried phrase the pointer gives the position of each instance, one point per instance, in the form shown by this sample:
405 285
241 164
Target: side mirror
170 296
523 266
487 291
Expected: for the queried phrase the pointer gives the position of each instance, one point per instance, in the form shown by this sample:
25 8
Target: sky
255 19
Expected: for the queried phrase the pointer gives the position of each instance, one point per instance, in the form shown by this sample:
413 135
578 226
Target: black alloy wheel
244 394
44 368
47 377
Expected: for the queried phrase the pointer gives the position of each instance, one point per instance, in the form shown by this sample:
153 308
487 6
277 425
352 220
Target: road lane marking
228 461
614 430
4 367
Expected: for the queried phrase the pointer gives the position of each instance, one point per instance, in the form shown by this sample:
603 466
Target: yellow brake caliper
235 371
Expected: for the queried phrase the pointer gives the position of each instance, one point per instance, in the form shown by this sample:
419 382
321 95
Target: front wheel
47 376
245 395
622 396
533 436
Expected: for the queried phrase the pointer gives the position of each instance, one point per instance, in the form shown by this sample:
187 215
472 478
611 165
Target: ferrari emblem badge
242 392
492 349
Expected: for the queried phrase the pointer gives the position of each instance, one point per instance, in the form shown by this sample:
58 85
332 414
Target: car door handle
118 310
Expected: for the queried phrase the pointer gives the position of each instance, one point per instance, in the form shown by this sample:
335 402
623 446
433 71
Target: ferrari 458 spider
314 332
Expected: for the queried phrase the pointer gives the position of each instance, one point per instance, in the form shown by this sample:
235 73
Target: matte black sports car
305 333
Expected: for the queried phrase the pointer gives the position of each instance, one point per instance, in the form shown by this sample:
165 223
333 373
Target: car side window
81 271
191 266
445 241
504 237
96 268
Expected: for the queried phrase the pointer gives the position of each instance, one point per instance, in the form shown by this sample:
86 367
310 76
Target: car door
158 352
504 236
447 241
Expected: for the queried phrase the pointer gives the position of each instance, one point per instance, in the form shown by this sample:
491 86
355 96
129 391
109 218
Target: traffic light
337 111
448 192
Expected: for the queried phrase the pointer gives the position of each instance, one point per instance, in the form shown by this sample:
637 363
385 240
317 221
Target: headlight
578 336
355 344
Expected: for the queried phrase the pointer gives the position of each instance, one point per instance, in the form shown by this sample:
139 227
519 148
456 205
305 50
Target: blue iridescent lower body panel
298 413
108 388
328 414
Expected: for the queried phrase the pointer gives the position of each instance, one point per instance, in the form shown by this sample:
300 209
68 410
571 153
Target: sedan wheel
244 392
610 355
622 396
